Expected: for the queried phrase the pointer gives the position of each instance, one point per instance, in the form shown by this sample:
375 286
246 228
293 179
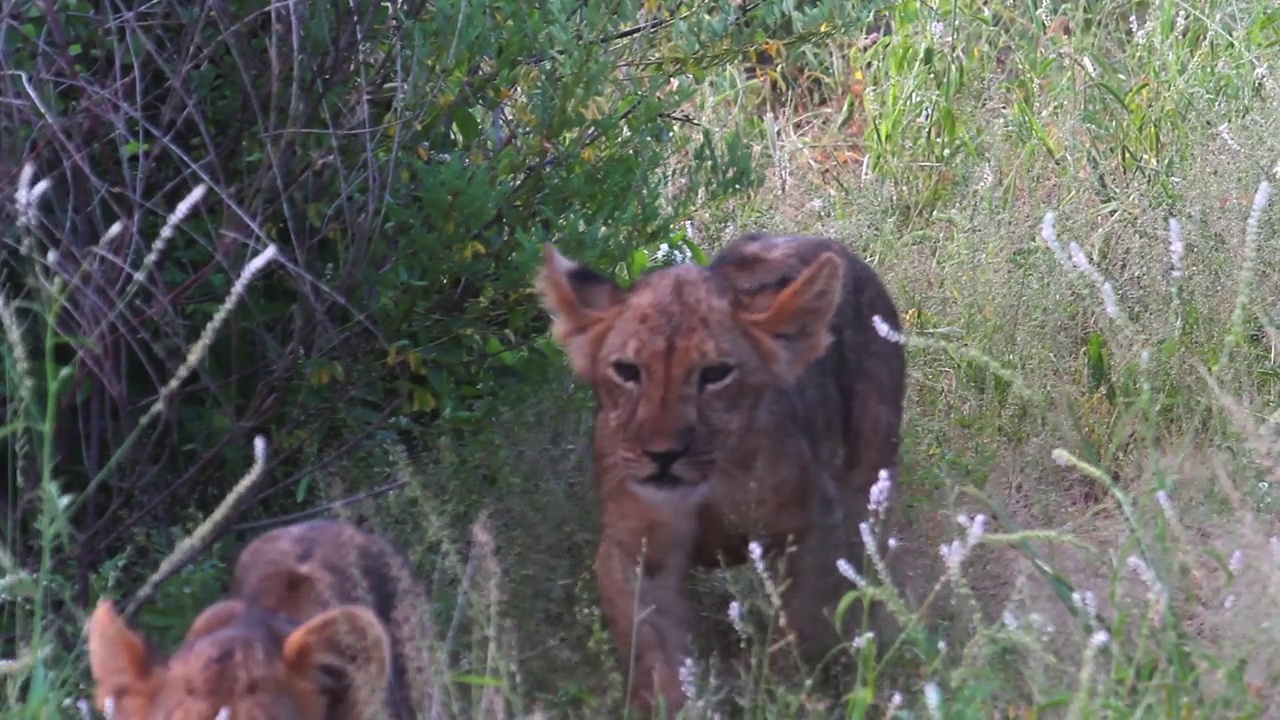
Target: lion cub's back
303 569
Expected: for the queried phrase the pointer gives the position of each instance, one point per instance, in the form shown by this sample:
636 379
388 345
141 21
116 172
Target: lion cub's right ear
343 652
118 657
579 299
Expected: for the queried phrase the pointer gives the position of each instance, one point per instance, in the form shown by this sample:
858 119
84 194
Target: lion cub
752 399
323 621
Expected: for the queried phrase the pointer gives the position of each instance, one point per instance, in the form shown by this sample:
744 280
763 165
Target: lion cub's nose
664 459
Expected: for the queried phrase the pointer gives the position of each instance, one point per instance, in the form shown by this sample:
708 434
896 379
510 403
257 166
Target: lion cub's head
682 360
238 663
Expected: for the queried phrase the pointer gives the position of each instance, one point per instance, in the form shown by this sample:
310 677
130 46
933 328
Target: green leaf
467 125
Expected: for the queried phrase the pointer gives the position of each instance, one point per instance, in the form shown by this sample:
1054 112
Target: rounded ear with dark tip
579 299
343 651
795 330
118 658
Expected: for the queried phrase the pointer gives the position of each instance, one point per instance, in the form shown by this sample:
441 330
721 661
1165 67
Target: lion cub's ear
214 618
580 299
344 651
118 658
796 327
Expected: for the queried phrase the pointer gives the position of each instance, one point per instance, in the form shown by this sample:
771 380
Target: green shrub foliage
408 159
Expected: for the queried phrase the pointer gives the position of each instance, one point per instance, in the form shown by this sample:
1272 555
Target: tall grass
1072 208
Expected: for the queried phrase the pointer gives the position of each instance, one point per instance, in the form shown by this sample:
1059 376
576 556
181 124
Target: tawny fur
749 400
322 621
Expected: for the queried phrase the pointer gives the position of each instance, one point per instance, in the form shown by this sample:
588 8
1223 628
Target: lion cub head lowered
323 621
750 400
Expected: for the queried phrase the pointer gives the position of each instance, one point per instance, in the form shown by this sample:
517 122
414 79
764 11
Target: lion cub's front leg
646 604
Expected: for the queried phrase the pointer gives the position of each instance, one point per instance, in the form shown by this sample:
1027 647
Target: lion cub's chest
767 498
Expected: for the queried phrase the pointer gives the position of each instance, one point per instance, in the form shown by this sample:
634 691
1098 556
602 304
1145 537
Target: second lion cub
324 621
752 399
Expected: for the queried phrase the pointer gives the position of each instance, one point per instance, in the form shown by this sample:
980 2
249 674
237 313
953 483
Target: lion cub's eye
714 374
626 372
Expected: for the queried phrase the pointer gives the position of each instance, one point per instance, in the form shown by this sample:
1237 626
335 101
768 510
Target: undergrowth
1071 208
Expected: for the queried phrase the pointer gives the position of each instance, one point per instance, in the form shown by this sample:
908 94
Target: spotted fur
323 621
748 400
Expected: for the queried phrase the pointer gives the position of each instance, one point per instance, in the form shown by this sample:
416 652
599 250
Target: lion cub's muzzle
666 475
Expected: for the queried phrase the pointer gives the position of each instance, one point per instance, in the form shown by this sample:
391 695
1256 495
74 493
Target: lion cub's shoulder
323 620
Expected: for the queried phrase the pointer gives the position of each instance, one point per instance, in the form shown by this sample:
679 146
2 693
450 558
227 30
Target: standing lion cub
323 622
749 400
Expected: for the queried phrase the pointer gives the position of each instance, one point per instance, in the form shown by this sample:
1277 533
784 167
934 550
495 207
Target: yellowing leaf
472 249
422 400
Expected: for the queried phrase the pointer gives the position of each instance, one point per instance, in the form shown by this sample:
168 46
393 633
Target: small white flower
845 568
976 530
933 699
1176 248
756 552
1166 505
1051 239
688 677
1156 594
1141 569
1086 602
953 557
864 530
735 615
885 331
879 501
1236 562
1109 303
1099 639
1078 258
861 641
895 702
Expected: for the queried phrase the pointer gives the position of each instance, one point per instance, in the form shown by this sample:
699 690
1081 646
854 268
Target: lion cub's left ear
795 330
580 299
